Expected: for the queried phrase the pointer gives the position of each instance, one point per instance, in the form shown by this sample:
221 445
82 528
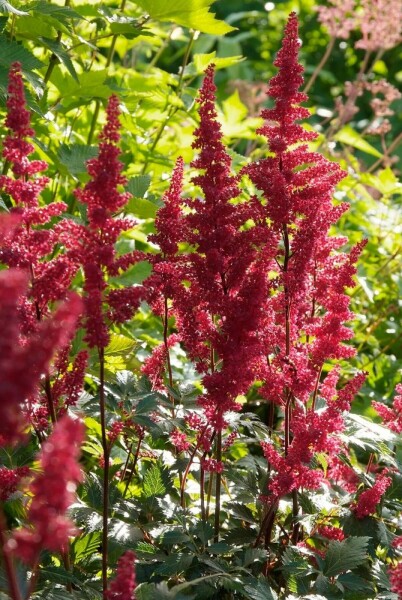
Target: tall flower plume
307 304
52 493
23 360
28 245
124 584
212 287
92 245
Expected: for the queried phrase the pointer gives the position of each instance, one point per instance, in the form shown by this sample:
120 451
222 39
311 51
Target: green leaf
189 13
201 62
348 136
153 482
174 564
75 156
11 52
57 49
119 344
137 186
53 10
345 555
354 582
6 7
259 590
86 545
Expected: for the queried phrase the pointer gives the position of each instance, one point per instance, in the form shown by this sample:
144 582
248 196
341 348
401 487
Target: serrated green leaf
202 61
119 344
153 483
137 186
11 52
86 545
188 13
75 156
49 8
175 564
345 555
57 49
260 590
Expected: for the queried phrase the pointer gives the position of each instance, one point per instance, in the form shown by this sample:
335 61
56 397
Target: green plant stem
320 65
190 462
53 58
137 452
172 109
218 486
8 563
105 447
109 59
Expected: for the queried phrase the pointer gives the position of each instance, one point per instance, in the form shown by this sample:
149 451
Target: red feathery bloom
367 502
215 288
392 417
10 479
395 578
179 440
93 245
23 360
306 304
124 584
331 533
53 493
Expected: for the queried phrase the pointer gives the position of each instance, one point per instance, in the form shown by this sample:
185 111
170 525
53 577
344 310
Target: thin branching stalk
8 562
320 65
105 447
218 486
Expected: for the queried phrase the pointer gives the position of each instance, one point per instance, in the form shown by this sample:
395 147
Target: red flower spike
367 502
52 493
93 245
124 584
23 360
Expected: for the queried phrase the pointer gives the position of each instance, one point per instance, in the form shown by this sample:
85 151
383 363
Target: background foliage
152 54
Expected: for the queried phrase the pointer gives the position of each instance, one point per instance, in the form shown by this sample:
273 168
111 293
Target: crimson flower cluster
28 245
53 492
124 584
257 286
93 245
24 359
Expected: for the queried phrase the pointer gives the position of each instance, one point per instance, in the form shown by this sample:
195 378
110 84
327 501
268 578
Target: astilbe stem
296 186
93 245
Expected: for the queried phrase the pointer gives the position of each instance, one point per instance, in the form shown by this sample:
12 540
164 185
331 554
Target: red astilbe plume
23 360
92 245
214 287
53 491
308 306
29 245
392 417
368 501
124 584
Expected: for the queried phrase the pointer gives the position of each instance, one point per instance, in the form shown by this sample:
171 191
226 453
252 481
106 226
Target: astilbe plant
92 245
257 288
34 247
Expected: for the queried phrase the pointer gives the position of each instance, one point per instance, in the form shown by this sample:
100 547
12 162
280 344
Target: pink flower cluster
93 245
10 479
392 417
124 584
378 21
368 501
23 359
256 285
52 493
